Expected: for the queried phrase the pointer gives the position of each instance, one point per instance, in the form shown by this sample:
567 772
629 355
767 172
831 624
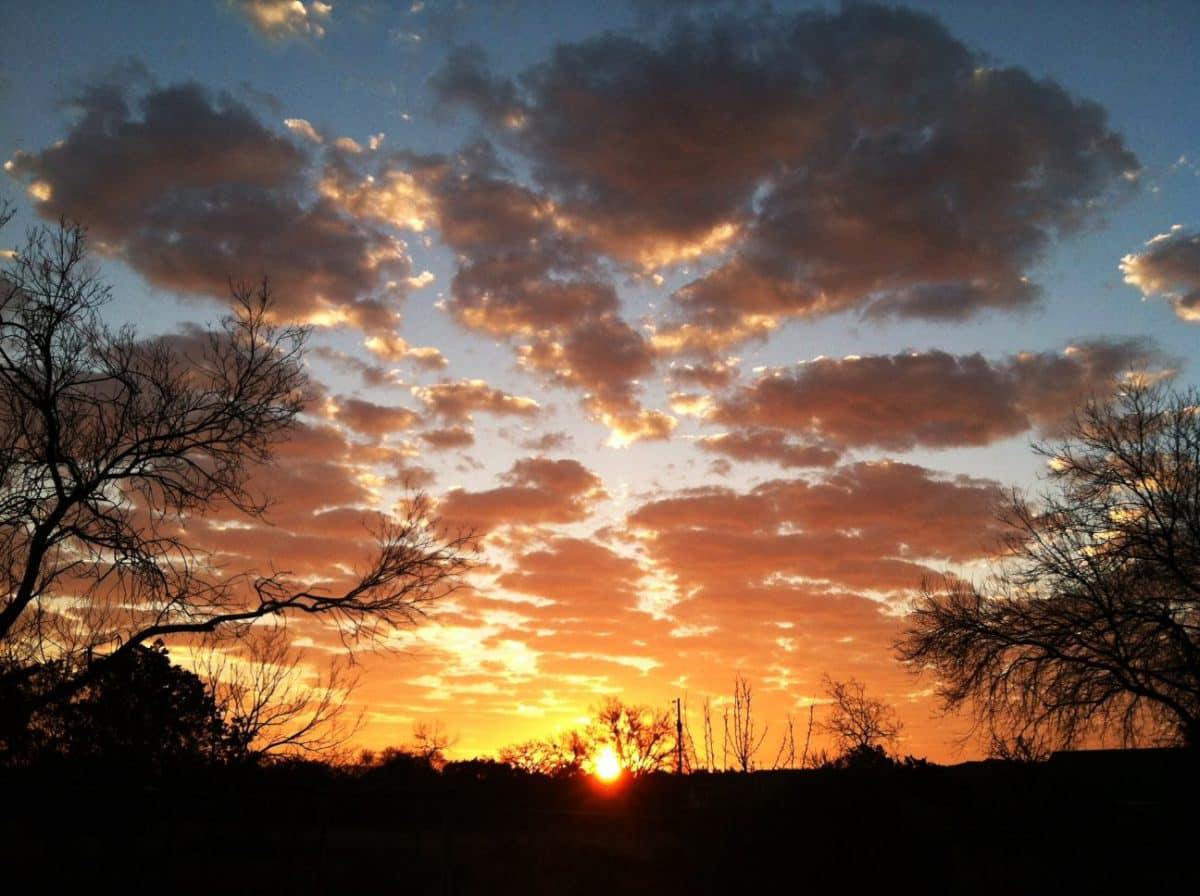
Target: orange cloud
282 19
375 420
868 526
457 401
539 491
449 438
1169 267
769 445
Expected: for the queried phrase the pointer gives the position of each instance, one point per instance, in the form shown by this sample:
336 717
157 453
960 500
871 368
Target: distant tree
479 770
812 710
430 741
112 446
642 737
1091 624
395 764
743 737
863 728
562 755
710 748
785 756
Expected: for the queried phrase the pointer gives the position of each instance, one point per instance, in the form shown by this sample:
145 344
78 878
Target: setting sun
608 766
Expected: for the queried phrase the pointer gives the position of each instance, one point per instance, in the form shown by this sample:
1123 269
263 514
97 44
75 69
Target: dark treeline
1106 821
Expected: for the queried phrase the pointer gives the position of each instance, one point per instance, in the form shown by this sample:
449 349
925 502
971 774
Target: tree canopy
1091 625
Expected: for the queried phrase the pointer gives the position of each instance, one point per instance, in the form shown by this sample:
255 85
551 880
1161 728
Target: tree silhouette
559 756
110 445
743 738
270 706
141 712
642 737
862 727
1092 624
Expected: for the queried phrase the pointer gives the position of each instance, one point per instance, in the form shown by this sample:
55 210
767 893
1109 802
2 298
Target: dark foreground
1116 822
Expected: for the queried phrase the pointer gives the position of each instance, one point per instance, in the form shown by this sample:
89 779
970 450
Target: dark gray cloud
860 160
192 190
931 399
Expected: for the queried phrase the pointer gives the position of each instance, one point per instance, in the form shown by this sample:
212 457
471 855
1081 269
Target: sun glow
608 766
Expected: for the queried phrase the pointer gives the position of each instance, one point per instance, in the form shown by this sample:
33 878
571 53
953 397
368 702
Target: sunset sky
723 323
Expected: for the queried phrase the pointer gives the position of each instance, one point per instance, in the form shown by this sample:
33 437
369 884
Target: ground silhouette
1104 821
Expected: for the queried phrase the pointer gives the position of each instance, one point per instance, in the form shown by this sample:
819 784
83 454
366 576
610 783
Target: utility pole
678 738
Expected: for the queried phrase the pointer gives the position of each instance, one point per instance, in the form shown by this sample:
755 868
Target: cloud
629 425
304 128
1169 267
192 190
860 160
798 576
547 442
449 438
372 375
522 275
370 419
930 399
867 527
588 608
457 401
320 506
715 374
537 491
581 576
390 346
770 445
283 19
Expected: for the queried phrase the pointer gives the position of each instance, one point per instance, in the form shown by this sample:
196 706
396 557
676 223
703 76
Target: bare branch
112 445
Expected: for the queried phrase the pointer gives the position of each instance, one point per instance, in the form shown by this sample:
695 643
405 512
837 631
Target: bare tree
270 703
111 446
857 722
812 709
1091 626
641 737
560 756
691 758
430 741
743 740
710 758
785 756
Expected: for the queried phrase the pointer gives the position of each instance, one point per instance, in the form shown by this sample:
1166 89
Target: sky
722 324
